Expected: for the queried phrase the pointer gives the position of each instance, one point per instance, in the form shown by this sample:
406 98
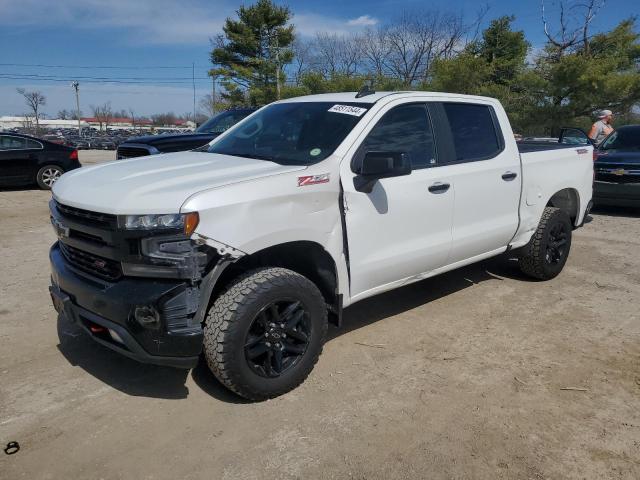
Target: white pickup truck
246 248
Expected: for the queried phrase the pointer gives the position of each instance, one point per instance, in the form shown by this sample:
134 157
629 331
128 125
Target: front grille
93 264
611 173
84 216
130 152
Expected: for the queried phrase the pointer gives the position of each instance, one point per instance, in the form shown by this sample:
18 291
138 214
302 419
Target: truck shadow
20 188
136 379
420 293
608 211
131 377
123 374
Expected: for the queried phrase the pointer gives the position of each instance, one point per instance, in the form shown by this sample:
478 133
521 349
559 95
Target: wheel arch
305 257
567 199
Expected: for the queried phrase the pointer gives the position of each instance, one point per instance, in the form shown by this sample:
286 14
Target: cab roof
350 97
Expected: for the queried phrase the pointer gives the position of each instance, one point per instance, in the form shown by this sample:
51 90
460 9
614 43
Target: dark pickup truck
617 169
153 144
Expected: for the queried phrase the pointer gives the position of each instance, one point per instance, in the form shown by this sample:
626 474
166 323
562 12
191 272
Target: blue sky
140 35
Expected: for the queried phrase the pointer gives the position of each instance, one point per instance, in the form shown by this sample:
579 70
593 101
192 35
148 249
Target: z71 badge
313 179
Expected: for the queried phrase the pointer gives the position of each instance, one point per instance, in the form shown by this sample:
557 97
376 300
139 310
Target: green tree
503 49
602 74
249 57
493 66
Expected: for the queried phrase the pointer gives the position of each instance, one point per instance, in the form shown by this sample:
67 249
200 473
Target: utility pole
277 66
213 95
75 86
193 79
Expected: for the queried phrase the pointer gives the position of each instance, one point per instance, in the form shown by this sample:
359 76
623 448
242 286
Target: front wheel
48 175
264 334
547 251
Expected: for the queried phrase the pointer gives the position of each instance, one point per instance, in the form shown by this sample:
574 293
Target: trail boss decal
348 109
313 179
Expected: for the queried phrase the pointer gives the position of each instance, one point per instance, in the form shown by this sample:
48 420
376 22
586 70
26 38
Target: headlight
185 221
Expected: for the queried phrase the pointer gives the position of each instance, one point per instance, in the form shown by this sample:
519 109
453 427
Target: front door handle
508 176
439 187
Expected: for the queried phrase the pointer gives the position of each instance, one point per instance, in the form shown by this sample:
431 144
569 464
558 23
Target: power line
38 75
119 67
90 80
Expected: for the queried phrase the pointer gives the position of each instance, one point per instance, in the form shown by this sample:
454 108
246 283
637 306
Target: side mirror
377 165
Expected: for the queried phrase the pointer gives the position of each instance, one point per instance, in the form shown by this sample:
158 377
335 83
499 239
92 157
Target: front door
403 227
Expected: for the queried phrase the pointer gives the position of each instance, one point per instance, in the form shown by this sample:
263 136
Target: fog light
147 316
115 336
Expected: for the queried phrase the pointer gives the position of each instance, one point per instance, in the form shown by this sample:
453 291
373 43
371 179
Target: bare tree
375 50
63 115
337 54
208 104
302 58
575 18
133 118
103 114
164 119
34 101
417 39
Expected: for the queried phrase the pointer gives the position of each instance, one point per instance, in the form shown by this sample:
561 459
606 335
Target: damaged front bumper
151 320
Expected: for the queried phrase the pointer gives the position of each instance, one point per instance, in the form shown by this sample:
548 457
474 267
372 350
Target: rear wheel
547 251
48 175
264 334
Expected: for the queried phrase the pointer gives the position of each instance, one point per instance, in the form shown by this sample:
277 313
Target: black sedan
152 144
617 168
27 160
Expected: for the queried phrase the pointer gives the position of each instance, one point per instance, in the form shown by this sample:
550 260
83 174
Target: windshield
297 133
625 139
221 122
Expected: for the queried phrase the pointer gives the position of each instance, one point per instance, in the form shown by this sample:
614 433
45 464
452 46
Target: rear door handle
439 187
508 176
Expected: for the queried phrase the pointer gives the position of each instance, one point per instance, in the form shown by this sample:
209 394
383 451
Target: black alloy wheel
556 244
277 338
546 253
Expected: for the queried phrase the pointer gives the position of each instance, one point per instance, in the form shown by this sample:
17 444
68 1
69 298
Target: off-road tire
532 257
231 316
45 176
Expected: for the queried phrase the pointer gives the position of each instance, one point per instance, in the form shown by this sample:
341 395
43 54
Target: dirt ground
478 373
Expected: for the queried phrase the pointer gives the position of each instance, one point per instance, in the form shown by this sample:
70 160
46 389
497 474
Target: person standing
602 127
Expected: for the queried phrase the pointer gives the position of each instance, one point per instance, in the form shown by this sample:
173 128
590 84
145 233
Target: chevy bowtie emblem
313 179
99 263
60 230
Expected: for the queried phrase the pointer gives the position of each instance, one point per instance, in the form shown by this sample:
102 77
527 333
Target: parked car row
93 139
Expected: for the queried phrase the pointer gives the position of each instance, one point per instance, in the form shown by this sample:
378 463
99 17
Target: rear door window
474 131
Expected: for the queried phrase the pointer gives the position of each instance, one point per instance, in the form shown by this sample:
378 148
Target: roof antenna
365 90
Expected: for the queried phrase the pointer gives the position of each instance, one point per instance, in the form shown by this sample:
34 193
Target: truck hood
617 157
157 183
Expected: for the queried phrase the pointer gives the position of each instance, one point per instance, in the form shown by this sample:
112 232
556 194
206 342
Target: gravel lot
470 379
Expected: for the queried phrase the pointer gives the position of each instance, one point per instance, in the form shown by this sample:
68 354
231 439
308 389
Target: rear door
403 227
486 176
